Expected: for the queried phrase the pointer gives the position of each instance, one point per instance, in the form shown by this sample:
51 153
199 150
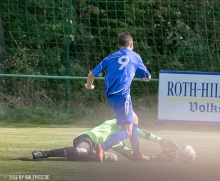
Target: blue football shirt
121 68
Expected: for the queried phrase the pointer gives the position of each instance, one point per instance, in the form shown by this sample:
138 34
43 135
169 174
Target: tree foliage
171 35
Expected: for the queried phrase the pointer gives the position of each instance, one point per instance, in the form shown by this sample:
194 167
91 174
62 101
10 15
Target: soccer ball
186 154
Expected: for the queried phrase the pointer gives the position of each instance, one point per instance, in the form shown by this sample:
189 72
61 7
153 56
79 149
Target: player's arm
90 79
142 72
148 136
168 153
164 156
165 144
95 72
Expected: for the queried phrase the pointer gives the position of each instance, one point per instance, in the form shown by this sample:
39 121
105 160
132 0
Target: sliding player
85 142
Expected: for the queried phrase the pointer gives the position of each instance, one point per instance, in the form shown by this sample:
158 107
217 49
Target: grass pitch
16 145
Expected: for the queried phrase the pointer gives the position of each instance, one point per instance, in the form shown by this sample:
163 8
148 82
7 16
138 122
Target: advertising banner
189 97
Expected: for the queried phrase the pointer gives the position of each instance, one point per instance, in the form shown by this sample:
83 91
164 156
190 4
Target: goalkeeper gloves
166 144
167 156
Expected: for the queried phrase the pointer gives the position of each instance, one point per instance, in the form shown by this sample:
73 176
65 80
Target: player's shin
134 140
62 152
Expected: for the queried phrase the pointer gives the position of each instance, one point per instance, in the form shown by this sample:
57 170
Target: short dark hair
124 39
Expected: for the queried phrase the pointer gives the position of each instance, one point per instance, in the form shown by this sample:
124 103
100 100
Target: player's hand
91 87
145 79
167 156
167 144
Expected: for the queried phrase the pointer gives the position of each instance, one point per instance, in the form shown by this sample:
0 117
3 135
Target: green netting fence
58 42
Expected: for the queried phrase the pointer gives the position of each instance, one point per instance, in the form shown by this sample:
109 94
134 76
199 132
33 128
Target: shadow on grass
37 160
87 159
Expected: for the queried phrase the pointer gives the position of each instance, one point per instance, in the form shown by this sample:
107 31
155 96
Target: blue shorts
122 106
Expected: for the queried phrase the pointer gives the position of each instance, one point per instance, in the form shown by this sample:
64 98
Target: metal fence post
68 50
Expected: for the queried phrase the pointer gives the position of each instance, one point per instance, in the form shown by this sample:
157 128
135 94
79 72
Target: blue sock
114 139
134 140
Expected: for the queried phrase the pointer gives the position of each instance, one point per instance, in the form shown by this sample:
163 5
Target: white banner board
189 97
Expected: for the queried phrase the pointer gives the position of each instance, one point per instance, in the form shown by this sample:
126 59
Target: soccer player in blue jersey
121 68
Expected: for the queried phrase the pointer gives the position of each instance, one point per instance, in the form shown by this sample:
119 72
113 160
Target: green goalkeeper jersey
102 132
